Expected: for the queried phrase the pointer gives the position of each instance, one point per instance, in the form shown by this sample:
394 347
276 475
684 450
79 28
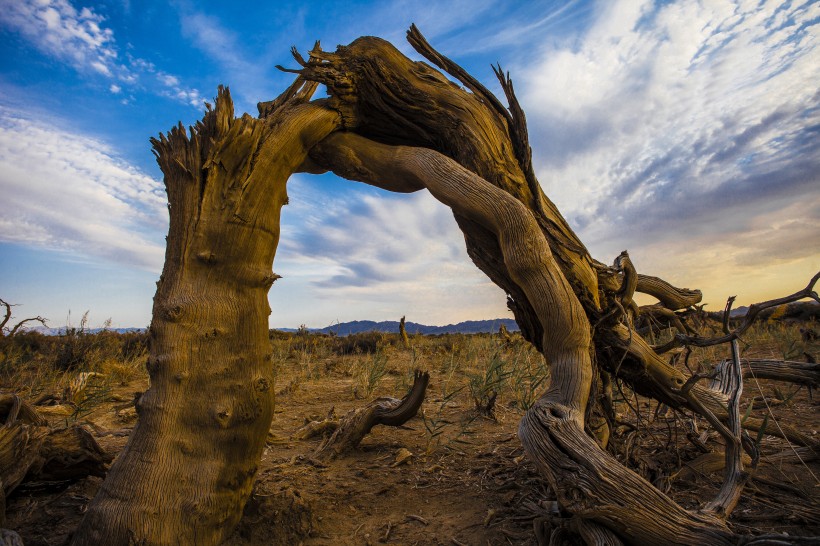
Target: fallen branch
734 476
31 451
354 426
802 373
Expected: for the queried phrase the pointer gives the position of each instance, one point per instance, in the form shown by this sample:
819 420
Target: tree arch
402 126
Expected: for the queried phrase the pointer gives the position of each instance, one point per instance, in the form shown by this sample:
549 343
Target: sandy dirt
467 482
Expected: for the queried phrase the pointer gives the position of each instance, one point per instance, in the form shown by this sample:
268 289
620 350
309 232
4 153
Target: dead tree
10 331
409 128
403 126
190 462
358 423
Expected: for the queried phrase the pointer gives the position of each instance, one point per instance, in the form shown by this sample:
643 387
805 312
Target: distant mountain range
45 330
355 327
392 326
799 311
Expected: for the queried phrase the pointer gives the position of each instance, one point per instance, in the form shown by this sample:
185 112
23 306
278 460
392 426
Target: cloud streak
685 124
71 193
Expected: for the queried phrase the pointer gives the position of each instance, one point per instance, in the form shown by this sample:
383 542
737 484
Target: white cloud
249 77
168 79
115 88
69 192
58 29
78 37
675 124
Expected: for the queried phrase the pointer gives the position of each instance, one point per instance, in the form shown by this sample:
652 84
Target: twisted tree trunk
589 482
420 131
190 462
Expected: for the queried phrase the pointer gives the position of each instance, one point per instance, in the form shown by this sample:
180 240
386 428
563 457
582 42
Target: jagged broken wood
203 422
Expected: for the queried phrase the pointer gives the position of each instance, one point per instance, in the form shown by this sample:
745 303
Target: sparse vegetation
451 444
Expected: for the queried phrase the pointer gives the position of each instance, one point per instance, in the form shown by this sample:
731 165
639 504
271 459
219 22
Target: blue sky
683 131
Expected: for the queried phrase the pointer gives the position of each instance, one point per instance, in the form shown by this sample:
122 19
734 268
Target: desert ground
455 474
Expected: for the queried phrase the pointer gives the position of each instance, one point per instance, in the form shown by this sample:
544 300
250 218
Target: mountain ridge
392 327
351 327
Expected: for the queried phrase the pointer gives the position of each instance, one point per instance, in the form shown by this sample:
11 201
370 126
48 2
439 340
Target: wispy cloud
80 38
58 29
68 192
247 75
685 124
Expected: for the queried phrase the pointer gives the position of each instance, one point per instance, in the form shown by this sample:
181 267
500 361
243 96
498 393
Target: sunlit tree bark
190 462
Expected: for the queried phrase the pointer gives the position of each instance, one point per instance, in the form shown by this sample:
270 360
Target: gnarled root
594 486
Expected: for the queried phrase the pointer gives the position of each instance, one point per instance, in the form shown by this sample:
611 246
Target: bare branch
7 317
671 297
734 477
802 373
749 317
4 331
420 44
17 326
300 89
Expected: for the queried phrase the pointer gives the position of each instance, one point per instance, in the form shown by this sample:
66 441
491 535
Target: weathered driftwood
358 423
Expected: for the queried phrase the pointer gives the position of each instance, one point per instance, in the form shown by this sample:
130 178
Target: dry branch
802 373
734 476
749 318
358 423
30 450
10 332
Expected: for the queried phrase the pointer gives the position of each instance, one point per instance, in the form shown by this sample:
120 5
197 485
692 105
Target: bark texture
404 127
410 128
190 462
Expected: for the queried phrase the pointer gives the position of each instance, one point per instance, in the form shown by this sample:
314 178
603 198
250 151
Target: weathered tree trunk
190 462
202 423
519 239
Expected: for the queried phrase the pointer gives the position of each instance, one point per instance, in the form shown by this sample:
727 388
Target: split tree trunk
190 462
